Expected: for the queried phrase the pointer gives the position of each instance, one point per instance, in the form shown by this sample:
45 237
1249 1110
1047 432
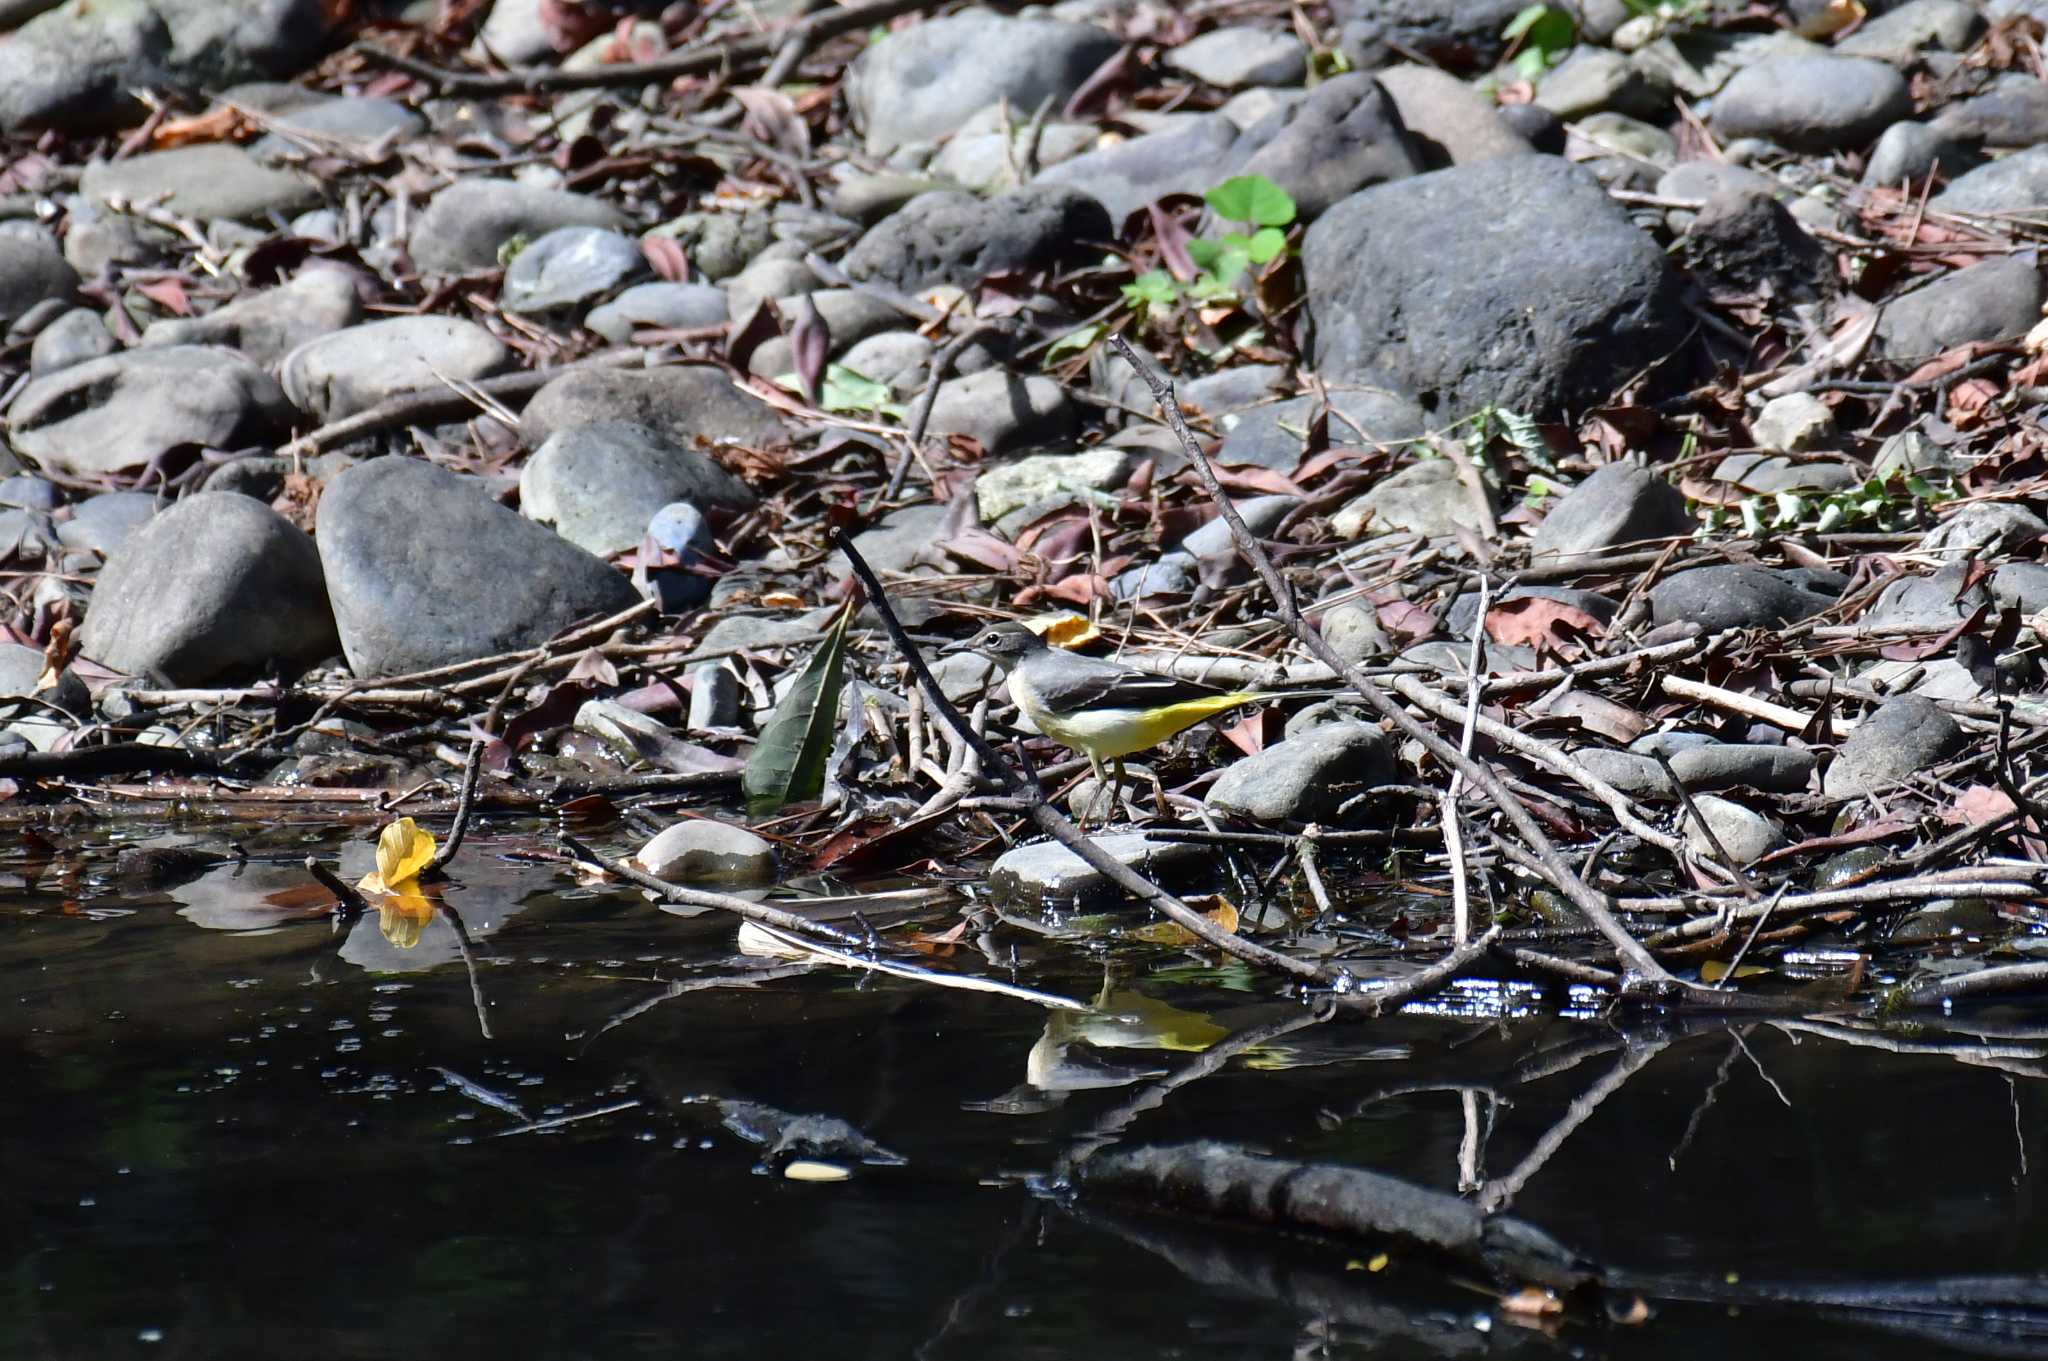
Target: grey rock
1945 920
1172 573
26 491
964 676
1618 504
570 267
1466 324
101 524
1462 35
867 199
269 324
464 225
920 83
714 697
1633 774
1044 477
2021 584
1906 734
1910 151
1644 147
1186 158
720 245
748 633
1427 498
1936 601
1306 778
1595 79
599 485
768 277
355 125
206 181
216 585
1745 242
1726 765
1261 516
1448 121
352 370
2011 184
1274 434
1699 61
98 239
1242 55
849 315
899 545
1897 34
681 306
2012 113
1734 596
1910 451
1745 834
1464 611
1816 103
685 403
1353 631
1047 873
1793 422
1771 474
681 528
122 411
72 338
901 359
1994 299
32 271
1230 389
984 157
254 475
1005 411
487 581
955 238
703 851
1703 180
1982 529
1346 136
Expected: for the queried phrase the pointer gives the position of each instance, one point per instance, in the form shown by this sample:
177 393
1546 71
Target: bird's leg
1088 809
1159 795
1116 787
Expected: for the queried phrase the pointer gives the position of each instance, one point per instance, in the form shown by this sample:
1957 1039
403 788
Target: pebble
101 524
1595 80
1910 152
465 224
668 305
1042 478
73 338
1240 55
1427 498
1746 242
1897 34
216 585
685 403
1004 411
32 271
900 359
1794 422
268 324
2011 184
1353 631
1428 324
948 237
921 83
975 157
1186 158
1812 103
2013 112
1745 834
206 181
1727 765
1982 529
1904 736
600 485
1306 778
1047 873
1619 503
1275 434
1450 122
1772 474
121 412
1462 37
569 268
1345 136
1998 298
357 125
353 370
1731 596
493 582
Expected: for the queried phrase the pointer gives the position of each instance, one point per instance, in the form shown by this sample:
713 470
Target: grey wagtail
1101 709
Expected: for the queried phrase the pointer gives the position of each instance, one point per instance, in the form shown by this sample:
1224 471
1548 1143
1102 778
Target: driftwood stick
759 913
464 807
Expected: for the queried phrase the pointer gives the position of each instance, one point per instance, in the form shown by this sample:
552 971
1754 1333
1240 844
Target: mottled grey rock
73 338
1461 35
1818 103
1907 734
720 245
1936 601
1346 136
2011 184
32 271
216 585
976 157
681 306
1632 773
1595 79
26 491
1746 241
1897 34
1354 631
269 324
2023 584
1429 498
901 543
569 267
599 485
767 278
101 524
1771 474
1910 151
922 82
1048 873
1005 411
954 238
1982 529
1274 434
1727 765
2012 113
1186 158
1733 596
354 124
702 851
483 581
1618 504
349 371
1240 55
1466 323
1745 834
1644 148
1995 299
1043 477
206 181
1448 122
122 411
683 402
900 359
1306 778
465 224
1793 422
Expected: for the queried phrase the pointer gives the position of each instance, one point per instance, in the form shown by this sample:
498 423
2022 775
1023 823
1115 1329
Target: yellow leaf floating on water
1223 914
403 918
404 848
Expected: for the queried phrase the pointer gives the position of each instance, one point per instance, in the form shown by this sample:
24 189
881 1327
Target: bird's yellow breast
1106 734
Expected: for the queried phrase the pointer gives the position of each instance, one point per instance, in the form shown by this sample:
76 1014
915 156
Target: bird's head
1006 643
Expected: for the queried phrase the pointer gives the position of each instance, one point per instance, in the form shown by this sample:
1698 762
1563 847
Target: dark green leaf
788 764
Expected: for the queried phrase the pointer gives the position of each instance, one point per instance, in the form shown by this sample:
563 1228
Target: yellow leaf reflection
1219 910
403 918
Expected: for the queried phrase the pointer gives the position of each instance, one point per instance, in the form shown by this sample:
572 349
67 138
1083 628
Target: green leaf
847 392
1205 253
1526 435
1212 288
1155 288
788 764
1266 245
1075 341
1252 198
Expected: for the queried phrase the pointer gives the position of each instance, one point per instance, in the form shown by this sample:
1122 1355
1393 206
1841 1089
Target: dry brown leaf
1539 622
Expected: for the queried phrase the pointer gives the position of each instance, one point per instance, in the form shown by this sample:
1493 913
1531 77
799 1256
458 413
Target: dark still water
228 1130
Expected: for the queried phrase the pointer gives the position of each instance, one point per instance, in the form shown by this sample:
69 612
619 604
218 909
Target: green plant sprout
1259 205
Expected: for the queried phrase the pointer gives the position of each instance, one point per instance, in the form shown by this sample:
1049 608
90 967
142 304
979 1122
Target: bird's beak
955 649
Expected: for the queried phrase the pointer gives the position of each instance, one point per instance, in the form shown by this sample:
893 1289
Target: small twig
352 904
465 805
758 913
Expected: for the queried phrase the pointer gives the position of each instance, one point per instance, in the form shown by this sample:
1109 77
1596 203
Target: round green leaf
1252 198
